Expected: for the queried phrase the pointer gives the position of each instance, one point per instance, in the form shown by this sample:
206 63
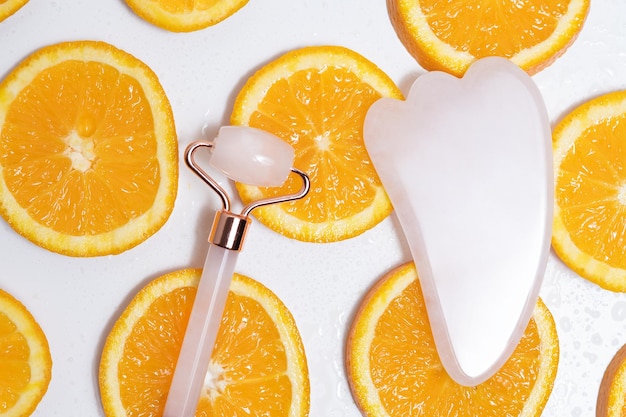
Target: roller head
252 156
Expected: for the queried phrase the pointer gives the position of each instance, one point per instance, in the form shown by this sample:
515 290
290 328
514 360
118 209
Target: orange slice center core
80 150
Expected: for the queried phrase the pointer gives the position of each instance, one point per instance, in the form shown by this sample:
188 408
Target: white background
76 301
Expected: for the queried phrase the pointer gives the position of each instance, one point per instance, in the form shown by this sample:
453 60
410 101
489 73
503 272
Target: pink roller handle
202 329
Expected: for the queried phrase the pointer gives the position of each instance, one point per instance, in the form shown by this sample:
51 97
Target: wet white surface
77 300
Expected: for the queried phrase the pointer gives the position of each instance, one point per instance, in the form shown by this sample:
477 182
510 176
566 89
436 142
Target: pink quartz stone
467 164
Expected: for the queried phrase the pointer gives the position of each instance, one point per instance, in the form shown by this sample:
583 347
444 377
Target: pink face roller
246 155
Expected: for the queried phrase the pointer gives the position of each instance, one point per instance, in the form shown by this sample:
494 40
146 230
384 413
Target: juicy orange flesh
150 353
321 114
254 362
591 191
405 366
187 6
72 144
492 27
14 359
248 350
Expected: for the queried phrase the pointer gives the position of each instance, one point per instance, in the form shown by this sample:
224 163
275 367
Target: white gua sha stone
467 164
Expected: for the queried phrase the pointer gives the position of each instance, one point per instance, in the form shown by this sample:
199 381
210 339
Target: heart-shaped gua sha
467 164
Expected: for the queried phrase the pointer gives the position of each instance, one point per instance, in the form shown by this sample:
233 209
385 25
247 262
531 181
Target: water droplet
560 392
554 299
343 392
618 312
592 357
596 339
593 313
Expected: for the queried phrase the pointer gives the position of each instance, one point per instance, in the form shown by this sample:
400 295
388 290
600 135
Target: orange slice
316 99
258 362
449 35
589 231
25 362
185 16
394 370
88 150
612 395
9 7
